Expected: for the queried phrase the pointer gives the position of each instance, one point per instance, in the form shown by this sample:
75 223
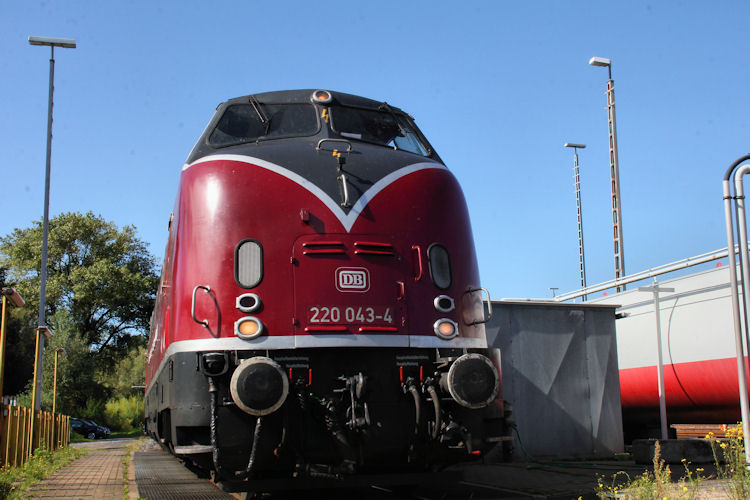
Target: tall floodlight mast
614 167
42 324
576 175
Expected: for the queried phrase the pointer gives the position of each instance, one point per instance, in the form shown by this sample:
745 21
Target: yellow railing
16 443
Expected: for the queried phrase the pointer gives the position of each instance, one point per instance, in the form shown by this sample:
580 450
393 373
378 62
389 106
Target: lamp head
14 297
66 43
574 145
45 330
600 61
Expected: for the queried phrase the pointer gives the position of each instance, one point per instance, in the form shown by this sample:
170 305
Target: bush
94 410
124 414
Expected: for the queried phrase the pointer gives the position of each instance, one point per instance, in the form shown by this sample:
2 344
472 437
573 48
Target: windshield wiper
263 118
390 111
411 137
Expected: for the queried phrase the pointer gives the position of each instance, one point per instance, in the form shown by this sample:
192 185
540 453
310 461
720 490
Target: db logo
352 279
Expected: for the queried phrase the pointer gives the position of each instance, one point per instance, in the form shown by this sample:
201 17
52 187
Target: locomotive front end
320 311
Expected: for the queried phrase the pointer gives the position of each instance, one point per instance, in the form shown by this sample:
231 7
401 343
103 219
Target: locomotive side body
320 310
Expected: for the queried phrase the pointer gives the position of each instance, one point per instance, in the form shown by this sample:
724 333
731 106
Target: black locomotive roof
206 146
303 96
295 139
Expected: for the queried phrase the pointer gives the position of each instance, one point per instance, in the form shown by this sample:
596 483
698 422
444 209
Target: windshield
379 127
250 122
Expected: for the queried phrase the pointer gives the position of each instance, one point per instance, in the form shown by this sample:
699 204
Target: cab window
243 123
385 128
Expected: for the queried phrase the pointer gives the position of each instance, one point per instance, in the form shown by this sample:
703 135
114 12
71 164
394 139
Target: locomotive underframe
336 429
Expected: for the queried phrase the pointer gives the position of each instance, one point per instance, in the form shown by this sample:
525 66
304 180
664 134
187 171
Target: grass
132 433
731 472
77 438
126 467
14 481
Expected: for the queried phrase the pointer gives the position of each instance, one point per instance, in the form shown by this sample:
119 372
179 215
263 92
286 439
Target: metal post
42 322
581 255
34 394
2 346
739 196
54 400
614 165
741 378
619 247
58 351
37 391
576 176
54 386
655 289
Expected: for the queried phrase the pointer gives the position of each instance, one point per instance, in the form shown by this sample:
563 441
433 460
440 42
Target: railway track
160 475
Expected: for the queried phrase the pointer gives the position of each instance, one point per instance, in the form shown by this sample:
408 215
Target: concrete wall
559 364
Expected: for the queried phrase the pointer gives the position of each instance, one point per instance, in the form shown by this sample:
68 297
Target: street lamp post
52 43
58 351
37 384
581 256
614 165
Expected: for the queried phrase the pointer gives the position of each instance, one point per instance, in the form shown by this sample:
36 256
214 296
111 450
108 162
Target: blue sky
497 86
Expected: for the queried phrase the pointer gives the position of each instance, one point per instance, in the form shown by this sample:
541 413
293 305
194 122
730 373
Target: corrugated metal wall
560 372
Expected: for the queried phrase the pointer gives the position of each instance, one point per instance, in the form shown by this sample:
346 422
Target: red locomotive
319 311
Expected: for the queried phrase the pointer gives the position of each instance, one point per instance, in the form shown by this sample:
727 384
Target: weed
733 469
126 466
651 485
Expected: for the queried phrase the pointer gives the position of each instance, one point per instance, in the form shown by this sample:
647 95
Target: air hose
348 453
417 407
436 404
213 390
411 387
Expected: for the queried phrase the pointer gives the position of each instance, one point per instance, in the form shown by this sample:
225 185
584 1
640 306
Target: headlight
472 381
259 386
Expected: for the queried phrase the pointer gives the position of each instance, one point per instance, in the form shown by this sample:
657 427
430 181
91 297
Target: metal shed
560 372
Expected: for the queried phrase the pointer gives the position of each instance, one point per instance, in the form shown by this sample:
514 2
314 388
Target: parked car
88 428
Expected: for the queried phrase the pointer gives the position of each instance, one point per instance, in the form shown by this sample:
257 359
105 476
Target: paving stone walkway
98 475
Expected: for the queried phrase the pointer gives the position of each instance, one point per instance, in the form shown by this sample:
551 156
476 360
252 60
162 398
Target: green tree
77 380
129 371
19 347
100 292
106 278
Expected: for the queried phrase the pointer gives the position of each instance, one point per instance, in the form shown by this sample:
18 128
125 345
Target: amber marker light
445 328
248 328
322 96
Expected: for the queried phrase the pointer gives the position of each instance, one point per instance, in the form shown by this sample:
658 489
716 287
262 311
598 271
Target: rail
16 444
648 273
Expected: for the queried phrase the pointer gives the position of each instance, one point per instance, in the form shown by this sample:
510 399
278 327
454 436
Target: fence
16 443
